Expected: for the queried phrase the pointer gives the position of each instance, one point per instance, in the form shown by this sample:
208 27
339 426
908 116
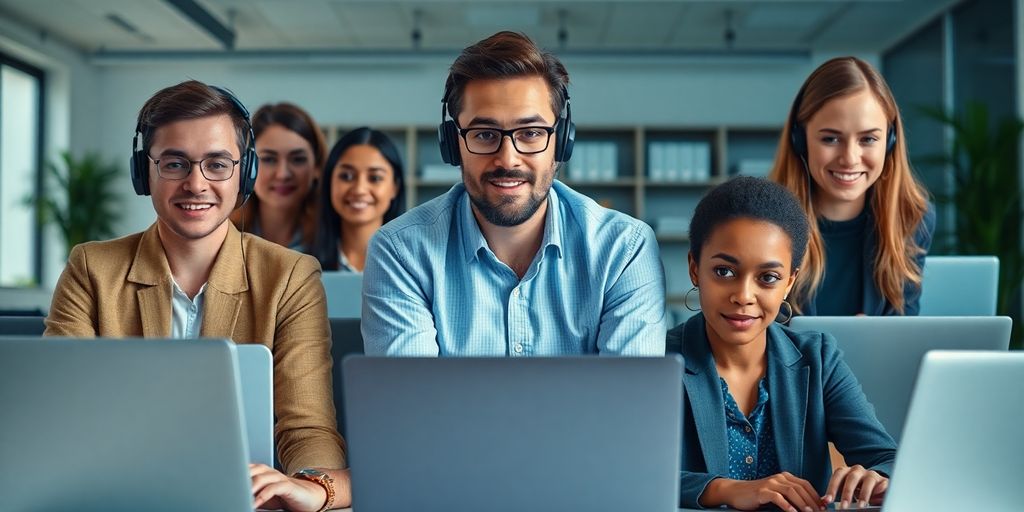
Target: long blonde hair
898 201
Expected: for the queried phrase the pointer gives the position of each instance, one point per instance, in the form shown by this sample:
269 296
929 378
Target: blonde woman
844 156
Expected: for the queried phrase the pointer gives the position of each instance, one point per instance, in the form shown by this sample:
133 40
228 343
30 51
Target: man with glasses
192 274
511 262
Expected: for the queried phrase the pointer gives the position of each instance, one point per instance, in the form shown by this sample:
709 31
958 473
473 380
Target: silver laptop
962 447
344 294
256 372
959 285
502 434
123 425
885 352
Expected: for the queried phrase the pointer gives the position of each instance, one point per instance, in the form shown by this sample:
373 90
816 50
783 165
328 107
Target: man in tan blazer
192 274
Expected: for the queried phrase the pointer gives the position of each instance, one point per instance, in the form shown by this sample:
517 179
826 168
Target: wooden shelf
621 182
435 183
685 184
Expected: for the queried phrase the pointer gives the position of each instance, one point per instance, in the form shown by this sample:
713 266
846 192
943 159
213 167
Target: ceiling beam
200 16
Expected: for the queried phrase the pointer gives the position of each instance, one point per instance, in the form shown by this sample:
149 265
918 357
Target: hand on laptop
783 490
275 491
866 486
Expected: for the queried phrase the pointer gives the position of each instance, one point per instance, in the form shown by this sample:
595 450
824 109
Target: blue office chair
22 325
346 339
960 286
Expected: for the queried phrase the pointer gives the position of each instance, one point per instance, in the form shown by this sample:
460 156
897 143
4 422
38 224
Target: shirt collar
473 239
343 263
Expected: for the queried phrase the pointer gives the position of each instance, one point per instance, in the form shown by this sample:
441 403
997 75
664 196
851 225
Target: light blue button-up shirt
186 313
432 286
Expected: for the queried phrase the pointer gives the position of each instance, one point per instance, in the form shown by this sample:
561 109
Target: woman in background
844 156
363 189
764 401
283 208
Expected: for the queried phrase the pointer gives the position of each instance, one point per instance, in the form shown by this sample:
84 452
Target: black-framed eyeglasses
527 140
214 168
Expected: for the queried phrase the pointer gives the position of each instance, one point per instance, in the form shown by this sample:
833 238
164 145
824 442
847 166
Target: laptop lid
344 294
256 371
502 434
959 285
885 352
121 425
962 447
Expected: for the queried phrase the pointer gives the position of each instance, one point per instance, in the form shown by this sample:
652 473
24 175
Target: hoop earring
686 299
789 316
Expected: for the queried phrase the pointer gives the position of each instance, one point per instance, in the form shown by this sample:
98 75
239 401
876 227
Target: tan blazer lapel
220 313
151 271
222 298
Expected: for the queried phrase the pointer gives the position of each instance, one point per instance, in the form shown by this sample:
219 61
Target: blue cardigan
874 304
814 399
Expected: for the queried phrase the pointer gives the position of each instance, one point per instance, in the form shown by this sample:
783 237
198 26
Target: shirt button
747 428
515 292
749 460
518 348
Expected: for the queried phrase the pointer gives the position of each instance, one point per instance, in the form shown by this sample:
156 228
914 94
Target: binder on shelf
593 172
440 172
656 156
754 167
686 161
673 169
702 162
609 161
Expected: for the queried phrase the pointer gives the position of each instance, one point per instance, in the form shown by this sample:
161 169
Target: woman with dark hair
363 190
283 208
764 401
843 154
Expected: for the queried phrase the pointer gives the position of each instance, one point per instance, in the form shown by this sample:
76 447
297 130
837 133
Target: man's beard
502 214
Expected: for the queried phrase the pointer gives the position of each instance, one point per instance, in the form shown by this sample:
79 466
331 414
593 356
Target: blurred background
670 97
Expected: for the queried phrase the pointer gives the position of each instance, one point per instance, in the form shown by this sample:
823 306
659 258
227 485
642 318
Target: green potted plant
79 198
985 166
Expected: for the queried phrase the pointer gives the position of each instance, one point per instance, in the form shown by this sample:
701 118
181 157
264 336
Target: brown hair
505 55
189 100
897 201
294 119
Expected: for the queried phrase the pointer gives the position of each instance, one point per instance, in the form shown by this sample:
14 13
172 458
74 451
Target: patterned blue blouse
751 443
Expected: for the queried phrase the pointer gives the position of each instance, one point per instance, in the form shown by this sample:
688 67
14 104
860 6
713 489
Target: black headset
798 133
448 132
248 165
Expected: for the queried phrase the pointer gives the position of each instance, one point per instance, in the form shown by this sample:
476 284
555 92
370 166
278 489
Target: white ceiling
95 26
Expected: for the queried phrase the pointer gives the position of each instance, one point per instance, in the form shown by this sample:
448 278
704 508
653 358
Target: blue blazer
814 399
874 304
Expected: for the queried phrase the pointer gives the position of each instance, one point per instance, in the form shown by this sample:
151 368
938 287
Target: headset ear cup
250 169
890 140
139 170
565 139
448 140
798 138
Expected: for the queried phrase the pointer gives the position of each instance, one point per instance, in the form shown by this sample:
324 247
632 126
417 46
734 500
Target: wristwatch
321 478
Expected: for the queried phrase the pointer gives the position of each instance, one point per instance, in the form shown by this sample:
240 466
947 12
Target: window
21 128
